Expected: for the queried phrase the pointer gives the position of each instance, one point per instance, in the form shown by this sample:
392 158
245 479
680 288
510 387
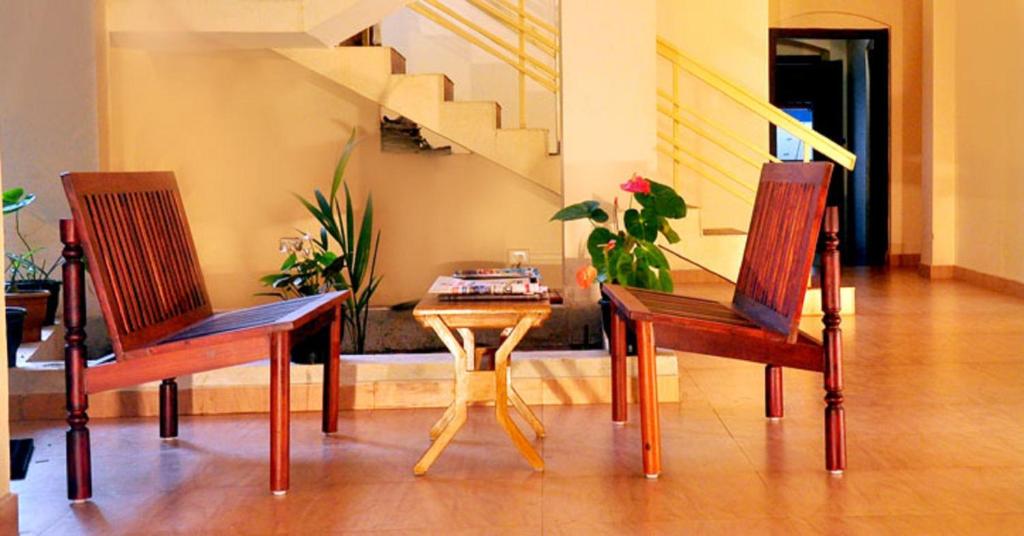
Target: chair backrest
139 253
780 245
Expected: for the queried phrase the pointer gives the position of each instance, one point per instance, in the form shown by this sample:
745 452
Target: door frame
882 38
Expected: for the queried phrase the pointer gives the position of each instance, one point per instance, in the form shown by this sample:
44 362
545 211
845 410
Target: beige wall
989 112
730 38
939 133
608 108
903 19
5 453
244 129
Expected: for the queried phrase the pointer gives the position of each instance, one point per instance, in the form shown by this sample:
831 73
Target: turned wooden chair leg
617 342
79 459
168 409
650 428
331 377
773 391
832 342
280 350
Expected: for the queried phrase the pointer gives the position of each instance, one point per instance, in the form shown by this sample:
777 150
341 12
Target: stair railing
533 34
670 142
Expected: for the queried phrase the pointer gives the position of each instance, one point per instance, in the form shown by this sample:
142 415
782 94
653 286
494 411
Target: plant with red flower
627 254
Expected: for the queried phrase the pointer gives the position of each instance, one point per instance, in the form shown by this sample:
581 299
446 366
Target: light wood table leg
449 414
501 389
524 410
448 429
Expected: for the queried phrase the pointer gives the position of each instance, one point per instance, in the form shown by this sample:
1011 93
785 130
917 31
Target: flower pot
15 327
43 284
35 304
606 321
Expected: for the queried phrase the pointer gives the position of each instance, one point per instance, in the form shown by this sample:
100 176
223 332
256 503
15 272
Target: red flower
637 185
585 276
610 245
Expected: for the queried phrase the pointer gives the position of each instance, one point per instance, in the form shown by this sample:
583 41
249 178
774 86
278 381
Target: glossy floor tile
934 377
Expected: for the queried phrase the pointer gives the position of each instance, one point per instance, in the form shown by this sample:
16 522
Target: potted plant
311 267
22 269
31 274
626 253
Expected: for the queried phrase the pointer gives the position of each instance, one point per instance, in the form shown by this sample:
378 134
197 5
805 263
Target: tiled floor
935 390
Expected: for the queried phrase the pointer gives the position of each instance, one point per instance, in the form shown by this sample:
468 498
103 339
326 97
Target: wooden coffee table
473 384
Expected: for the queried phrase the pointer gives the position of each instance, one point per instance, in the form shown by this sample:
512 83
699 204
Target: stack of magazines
491 284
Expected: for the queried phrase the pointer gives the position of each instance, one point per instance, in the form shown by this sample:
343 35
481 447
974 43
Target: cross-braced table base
482 385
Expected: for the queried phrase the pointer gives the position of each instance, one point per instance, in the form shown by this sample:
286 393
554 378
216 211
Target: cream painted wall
732 39
989 112
903 19
47 106
608 108
244 129
939 133
5 432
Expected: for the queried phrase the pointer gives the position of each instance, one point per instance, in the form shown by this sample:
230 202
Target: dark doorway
837 81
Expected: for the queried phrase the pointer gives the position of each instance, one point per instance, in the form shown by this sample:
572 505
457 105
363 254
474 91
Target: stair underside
427 100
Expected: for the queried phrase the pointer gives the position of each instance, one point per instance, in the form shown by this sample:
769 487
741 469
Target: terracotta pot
35 304
43 284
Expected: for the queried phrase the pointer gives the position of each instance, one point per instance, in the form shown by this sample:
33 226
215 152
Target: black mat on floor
21 455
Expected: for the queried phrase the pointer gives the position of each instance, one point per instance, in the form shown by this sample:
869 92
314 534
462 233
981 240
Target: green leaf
595 242
651 255
665 280
650 222
668 232
15 200
633 224
624 271
339 170
579 211
599 215
289 262
663 200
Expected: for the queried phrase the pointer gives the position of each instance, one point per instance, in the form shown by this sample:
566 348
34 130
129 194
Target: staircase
378 74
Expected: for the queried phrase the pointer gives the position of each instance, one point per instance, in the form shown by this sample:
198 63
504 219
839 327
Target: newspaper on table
454 288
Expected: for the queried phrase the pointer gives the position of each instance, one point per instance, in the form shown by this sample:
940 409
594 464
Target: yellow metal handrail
529 29
670 106
759 106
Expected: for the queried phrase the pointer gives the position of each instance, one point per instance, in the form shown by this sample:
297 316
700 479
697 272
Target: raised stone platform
376 381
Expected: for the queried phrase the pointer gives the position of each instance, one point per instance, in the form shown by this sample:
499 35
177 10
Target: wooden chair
131 227
761 323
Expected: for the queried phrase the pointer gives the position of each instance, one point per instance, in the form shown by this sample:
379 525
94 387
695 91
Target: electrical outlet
518 257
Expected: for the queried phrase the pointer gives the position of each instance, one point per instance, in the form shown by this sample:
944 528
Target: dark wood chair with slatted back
132 229
761 323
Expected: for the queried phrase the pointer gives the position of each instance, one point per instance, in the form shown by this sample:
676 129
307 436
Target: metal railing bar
724 172
532 35
548 83
705 134
724 130
491 36
766 110
676 157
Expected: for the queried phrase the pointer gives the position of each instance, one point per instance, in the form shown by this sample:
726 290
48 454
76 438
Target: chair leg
168 409
773 391
832 343
835 415
331 376
79 459
617 343
280 348
650 431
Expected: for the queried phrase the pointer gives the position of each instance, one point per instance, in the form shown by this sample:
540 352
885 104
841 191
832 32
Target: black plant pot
313 348
606 321
15 327
51 303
